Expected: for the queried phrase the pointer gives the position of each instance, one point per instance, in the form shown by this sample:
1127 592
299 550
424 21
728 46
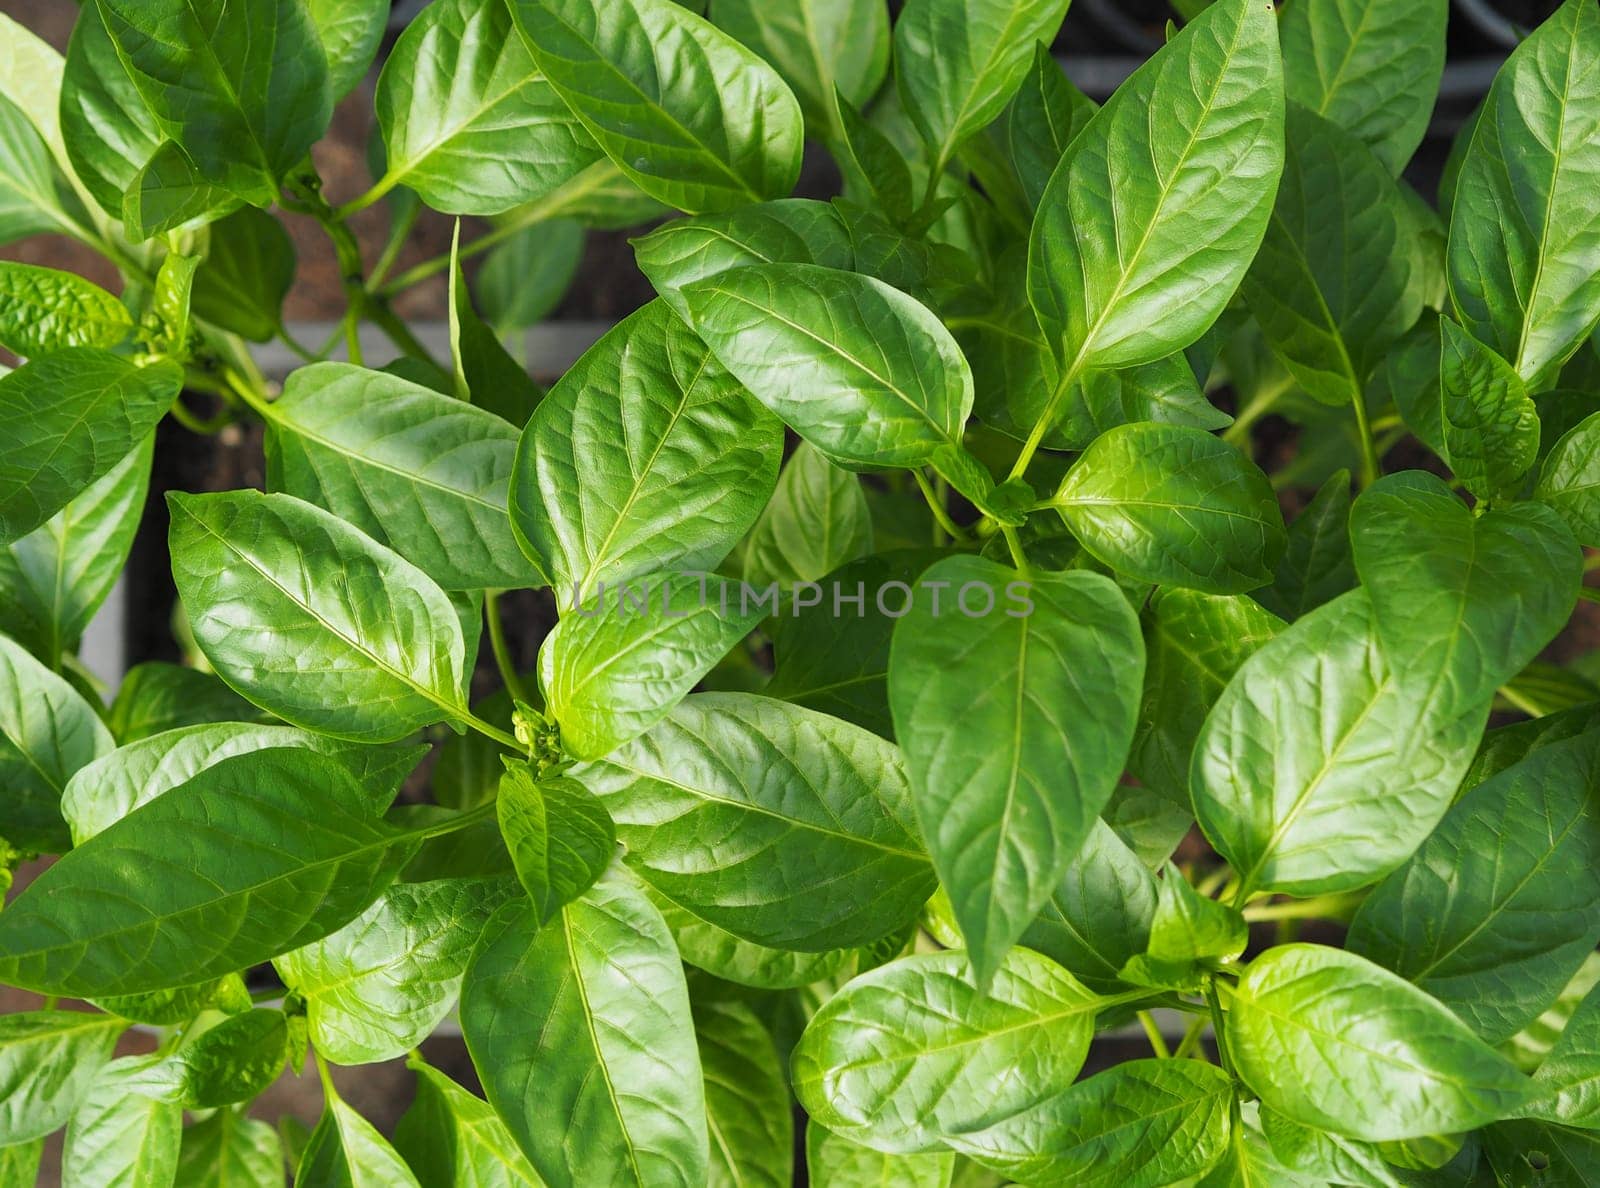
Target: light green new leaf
379 986
723 955
346 1151
313 620
1335 282
350 32
1567 1082
1191 927
74 415
560 837
30 200
594 506
422 473
260 854
468 120
1317 565
1320 768
817 521
107 129
47 733
957 64
833 1161
230 1062
452 1138
1142 1124
43 310
1148 225
748 1114
1524 235
1174 506
1569 481
695 119
19 1164
1047 703
1488 425
1498 908
247 271
582 1035
1371 66
119 1137
860 370
913 1053
1407 1066
228 1150
781 825
1462 601
611 671
49 1061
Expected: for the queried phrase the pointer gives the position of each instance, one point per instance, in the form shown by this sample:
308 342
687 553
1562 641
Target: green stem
1589 594
399 333
459 821
489 730
1191 1037
1158 1042
502 652
1336 906
204 426
299 348
1591 563
1217 1025
1370 469
1258 406
1052 409
399 230
1019 556
379 188
936 505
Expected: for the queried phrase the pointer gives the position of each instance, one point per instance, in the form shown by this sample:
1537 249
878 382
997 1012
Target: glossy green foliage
43 310
560 838
449 1136
48 1064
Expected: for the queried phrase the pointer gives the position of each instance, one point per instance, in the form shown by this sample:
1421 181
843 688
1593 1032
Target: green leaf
560 837
595 507
370 657
1330 1156
416 471
781 825
834 1161
485 373
1569 481
54 579
1462 601
1532 1153
43 310
156 697
1524 237
1174 506
524 279
107 129
346 1151
47 733
1047 699
1567 1083
723 955
244 90
170 193
19 1164
451 1137
228 1150
912 1053
1407 1066
75 414
1319 768
860 370
1189 927
1318 564
230 1062
707 126
30 198
816 46
872 164
1335 282
1041 122
247 271
1145 1122
1193 645
351 32
120 1138
1126 282
958 64
748 1114
379 986
49 1063
1497 909
1371 66
587 1018
1489 426
817 521
257 855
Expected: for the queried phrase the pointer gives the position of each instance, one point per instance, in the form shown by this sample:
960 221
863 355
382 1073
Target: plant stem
1370 469
1158 1042
379 188
502 652
459 821
1336 906
297 347
399 333
1052 409
1191 1037
936 505
1217 1025
399 230
490 730
204 426
1591 563
1589 594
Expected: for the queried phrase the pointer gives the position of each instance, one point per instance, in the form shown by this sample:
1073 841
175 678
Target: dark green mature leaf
346 1151
1047 696
1334 284
781 825
1570 480
74 414
49 1061
720 953
612 671
120 1138
228 1150
1122 282
1524 237
748 1113
1529 1154
912 1053
1498 908
43 310
452 1138
156 696
1175 506
595 508
170 193
350 32
1566 1084
1193 645
416 471
1320 768
253 857
1462 602
560 837
716 130
47 733
107 129
1318 564
248 268
581 1032
1371 66
818 520
1488 425
1141 1124
833 1161
370 657
1407 1066
860 370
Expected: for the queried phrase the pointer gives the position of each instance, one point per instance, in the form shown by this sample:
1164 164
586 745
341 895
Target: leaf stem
205 426
1217 1025
1047 418
1158 1042
299 348
936 505
1370 468
1019 556
382 186
1591 563
1334 906
502 651
459 821
1589 594
1191 1037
